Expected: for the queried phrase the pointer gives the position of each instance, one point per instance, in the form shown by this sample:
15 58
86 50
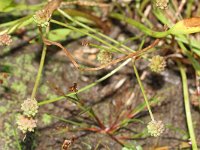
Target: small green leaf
59 34
46 119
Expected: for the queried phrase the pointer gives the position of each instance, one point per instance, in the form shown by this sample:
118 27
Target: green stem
93 30
87 33
189 8
37 81
86 87
140 26
143 92
187 106
67 120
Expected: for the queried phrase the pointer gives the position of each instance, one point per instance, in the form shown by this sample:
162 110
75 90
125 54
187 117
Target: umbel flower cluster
155 128
5 39
42 18
104 57
157 64
26 122
162 4
29 107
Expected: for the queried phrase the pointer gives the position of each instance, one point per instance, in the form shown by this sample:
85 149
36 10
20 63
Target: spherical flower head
26 124
42 18
157 64
155 128
162 4
30 107
5 39
104 57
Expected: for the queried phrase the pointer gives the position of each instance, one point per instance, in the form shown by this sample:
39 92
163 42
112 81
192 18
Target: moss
46 119
20 88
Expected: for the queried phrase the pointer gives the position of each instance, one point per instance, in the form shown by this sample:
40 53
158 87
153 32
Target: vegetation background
97 109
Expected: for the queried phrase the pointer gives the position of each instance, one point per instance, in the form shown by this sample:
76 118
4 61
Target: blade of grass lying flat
187 106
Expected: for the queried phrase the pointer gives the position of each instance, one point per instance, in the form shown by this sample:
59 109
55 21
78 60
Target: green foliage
46 119
59 34
132 146
7 135
5 4
65 26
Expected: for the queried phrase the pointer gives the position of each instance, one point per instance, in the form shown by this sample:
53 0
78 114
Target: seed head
26 124
162 4
155 128
42 17
157 64
29 107
5 39
104 57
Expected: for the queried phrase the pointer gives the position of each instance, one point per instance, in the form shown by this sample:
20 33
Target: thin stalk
37 81
90 111
14 22
88 86
187 106
145 18
67 121
140 26
143 92
189 8
143 5
94 31
100 47
87 33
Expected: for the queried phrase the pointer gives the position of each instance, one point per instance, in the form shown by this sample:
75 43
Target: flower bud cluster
42 18
5 39
26 122
157 64
104 57
155 128
162 4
